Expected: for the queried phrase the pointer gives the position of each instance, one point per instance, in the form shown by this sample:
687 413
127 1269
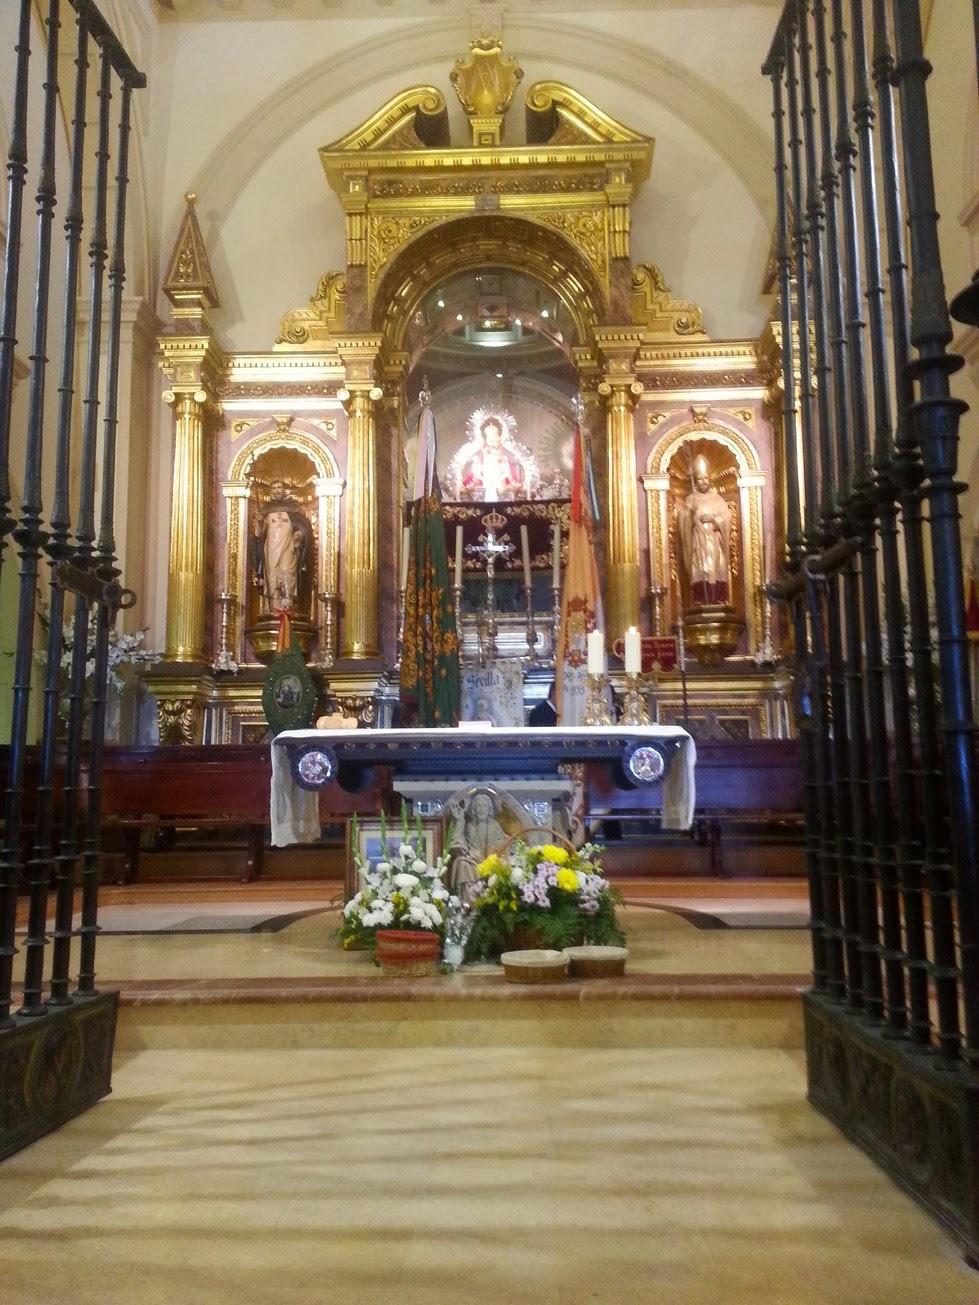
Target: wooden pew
207 787
747 788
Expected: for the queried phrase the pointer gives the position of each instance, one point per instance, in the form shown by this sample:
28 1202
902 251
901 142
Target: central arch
483 240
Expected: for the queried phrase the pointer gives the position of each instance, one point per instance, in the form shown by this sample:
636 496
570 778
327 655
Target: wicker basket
537 966
596 962
408 953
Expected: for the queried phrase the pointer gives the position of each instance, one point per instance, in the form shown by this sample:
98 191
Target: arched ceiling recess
486 240
716 118
490 318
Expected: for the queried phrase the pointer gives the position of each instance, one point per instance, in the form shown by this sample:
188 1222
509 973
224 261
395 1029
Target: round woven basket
537 966
408 952
596 962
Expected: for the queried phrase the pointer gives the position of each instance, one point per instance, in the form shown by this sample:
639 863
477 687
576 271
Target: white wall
954 110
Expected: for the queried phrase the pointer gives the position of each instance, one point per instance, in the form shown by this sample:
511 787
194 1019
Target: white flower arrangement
124 649
399 892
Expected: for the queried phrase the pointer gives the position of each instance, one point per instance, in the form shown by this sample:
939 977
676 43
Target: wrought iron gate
56 1049
888 735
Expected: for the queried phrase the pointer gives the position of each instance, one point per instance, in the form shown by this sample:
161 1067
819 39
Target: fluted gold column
621 394
360 569
186 586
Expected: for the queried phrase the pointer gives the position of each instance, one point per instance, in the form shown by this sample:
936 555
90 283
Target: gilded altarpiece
317 423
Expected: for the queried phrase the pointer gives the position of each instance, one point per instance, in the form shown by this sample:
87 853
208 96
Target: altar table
306 761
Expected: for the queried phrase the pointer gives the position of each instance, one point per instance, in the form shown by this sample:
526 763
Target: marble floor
268 1141
477 1176
658 918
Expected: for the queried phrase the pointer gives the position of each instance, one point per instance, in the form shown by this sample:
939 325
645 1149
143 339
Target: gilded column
193 364
186 585
360 565
621 393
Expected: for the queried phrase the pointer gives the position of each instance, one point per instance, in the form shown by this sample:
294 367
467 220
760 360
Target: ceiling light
458 317
499 376
440 302
544 313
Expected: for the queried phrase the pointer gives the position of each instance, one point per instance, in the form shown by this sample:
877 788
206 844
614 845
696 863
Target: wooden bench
207 788
751 788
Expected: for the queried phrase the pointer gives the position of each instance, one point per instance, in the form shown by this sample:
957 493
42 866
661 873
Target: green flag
430 646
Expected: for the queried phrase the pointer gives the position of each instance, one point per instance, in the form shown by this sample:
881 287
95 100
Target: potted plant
399 913
547 896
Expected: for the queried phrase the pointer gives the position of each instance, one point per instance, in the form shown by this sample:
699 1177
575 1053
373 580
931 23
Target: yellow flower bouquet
555 896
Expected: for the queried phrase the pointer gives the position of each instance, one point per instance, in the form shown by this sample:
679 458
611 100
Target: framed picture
371 845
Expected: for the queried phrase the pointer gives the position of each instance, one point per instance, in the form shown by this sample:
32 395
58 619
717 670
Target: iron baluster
30 537
934 423
106 568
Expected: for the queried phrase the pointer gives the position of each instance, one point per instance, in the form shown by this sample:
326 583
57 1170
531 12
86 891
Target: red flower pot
408 952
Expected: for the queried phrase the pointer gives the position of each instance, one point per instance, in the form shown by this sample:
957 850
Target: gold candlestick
326 654
597 709
457 599
634 709
224 661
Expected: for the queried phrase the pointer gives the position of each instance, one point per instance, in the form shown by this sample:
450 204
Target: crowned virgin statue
491 471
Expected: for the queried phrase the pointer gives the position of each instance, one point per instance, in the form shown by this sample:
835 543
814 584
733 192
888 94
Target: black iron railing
873 540
81 566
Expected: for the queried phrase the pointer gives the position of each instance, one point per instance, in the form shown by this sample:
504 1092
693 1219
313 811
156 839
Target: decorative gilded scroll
654 307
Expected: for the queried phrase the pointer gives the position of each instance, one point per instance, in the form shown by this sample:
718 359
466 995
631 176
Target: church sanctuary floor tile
661 942
490 1176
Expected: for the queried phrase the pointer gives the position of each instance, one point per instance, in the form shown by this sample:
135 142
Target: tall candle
633 651
596 652
556 550
525 549
405 546
458 557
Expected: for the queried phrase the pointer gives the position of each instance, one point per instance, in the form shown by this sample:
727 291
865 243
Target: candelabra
490 547
634 708
657 593
556 614
326 655
597 708
224 660
457 599
767 654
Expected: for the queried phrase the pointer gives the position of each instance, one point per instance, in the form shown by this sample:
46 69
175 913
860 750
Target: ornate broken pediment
558 115
397 175
326 314
654 307
415 119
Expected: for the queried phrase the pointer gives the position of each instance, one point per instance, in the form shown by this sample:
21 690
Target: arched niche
738 459
485 240
280 448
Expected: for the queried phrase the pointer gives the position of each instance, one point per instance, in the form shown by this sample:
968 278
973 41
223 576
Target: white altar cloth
295 811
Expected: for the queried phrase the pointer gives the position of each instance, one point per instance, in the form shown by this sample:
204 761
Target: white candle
525 549
556 551
596 652
633 651
458 557
405 547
